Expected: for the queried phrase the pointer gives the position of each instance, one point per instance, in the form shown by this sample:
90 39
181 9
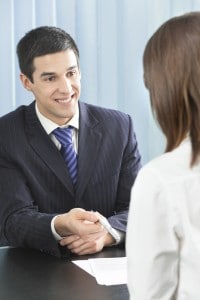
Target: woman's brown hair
172 75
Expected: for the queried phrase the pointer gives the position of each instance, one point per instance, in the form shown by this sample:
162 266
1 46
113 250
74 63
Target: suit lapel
46 150
89 145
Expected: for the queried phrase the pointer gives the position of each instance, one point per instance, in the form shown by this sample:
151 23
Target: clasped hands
82 232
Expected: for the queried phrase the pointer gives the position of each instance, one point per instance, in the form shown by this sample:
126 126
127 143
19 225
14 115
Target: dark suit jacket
35 184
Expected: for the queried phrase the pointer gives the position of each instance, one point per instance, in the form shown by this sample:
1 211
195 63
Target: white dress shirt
163 234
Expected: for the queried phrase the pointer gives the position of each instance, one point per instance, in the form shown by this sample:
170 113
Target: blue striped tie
64 136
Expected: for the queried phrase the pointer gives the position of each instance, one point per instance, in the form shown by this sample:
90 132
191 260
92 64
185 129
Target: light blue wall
111 36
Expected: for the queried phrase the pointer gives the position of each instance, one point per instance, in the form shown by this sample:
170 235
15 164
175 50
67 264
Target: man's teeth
63 100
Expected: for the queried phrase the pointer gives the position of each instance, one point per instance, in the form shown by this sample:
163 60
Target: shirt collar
49 125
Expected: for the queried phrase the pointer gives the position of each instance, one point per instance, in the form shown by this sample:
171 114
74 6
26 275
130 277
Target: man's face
56 85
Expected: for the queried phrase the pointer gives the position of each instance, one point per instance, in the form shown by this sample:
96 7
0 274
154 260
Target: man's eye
51 78
72 73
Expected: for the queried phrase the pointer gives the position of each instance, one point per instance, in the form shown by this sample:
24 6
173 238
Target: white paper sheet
84 264
107 271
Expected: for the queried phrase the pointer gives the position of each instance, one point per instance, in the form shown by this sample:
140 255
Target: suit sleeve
18 209
130 165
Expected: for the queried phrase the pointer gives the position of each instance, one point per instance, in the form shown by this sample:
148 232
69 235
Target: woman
163 235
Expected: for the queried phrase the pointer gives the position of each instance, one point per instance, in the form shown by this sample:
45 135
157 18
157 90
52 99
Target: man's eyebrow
47 74
72 67
53 73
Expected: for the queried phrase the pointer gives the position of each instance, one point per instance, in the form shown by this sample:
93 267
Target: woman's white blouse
163 234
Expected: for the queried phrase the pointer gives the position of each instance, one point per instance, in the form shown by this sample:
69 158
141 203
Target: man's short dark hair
41 41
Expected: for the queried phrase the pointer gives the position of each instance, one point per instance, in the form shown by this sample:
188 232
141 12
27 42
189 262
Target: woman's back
163 236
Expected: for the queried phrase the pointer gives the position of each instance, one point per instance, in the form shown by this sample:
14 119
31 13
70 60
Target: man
44 204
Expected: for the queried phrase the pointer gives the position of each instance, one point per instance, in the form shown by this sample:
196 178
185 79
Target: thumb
91 216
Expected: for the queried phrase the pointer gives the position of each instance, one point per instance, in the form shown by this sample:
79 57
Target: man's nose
65 85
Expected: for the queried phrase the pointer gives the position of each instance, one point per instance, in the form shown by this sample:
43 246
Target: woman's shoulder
170 165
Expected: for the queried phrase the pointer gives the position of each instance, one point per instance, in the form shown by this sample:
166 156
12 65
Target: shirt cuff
119 236
55 234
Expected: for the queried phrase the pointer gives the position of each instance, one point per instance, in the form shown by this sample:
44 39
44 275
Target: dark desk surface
31 275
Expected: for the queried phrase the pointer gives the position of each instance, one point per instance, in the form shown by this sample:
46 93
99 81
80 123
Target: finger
76 244
94 236
88 228
86 248
69 239
90 216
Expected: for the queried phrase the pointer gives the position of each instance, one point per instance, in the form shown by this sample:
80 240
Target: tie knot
64 135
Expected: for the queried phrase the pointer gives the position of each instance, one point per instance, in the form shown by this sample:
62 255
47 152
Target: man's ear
26 82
